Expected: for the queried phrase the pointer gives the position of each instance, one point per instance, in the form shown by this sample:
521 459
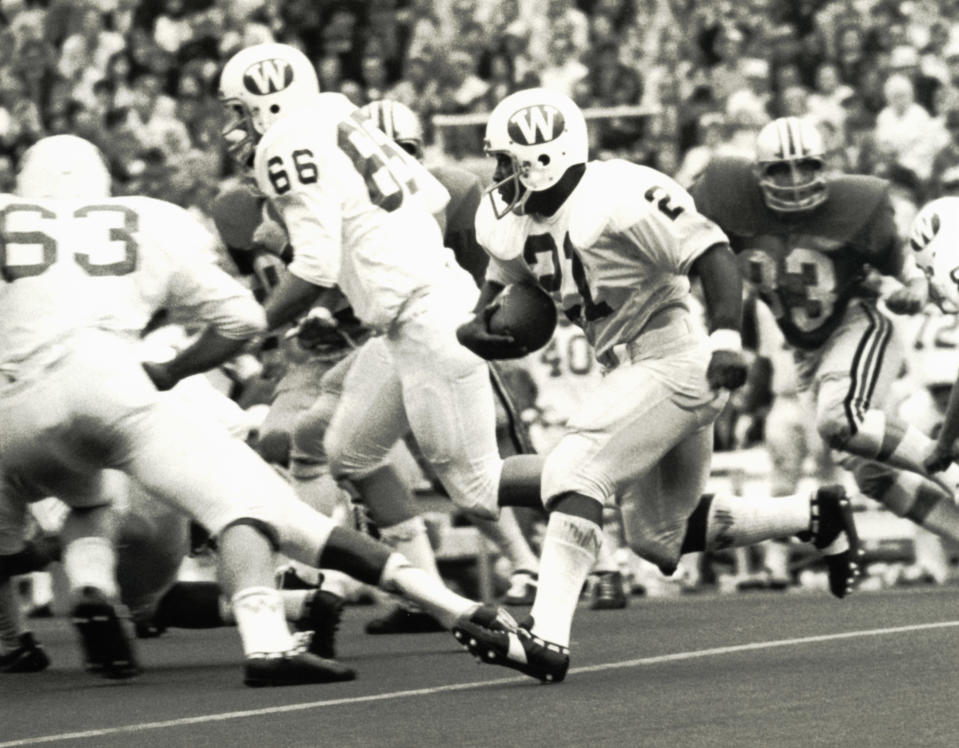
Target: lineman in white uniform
80 277
359 211
614 243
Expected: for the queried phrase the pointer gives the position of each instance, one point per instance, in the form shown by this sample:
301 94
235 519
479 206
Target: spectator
374 76
904 60
564 69
712 128
905 131
754 98
946 161
825 102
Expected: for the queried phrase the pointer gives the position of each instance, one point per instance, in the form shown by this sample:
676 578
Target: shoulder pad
723 184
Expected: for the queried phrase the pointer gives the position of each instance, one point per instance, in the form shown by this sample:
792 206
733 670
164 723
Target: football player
804 240
360 215
935 239
75 402
403 126
152 540
615 244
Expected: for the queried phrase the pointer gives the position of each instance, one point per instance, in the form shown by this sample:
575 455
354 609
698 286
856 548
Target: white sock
605 560
425 590
91 562
743 520
410 539
294 603
569 552
506 535
259 619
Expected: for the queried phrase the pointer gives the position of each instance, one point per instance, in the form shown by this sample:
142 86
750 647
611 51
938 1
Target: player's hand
910 298
476 336
160 375
318 328
727 370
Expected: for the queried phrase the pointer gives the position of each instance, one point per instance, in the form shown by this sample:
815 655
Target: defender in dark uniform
807 243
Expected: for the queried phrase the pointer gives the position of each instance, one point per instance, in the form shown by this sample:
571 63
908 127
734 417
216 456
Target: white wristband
725 339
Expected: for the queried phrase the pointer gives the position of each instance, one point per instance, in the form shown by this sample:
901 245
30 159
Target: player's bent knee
835 432
268 531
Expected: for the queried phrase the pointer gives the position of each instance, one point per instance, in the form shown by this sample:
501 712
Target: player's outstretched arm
723 291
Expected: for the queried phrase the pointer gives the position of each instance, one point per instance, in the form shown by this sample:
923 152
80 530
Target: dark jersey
466 191
805 267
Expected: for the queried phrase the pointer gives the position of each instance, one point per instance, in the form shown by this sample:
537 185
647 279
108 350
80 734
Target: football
527 313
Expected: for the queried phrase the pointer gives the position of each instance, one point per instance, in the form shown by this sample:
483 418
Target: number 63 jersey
109 264
618 250
807 266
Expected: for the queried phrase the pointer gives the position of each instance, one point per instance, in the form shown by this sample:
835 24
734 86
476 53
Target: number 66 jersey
110 264
359 209
807 266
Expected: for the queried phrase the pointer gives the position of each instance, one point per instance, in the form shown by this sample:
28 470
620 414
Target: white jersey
773 346
933 336
564 372
110 264
359 209
618 250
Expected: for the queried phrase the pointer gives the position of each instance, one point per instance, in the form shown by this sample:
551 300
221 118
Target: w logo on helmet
924 230
537 124
268 76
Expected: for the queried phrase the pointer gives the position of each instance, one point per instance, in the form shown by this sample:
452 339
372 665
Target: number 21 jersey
618 250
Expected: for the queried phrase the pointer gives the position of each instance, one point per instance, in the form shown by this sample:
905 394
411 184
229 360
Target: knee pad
835 430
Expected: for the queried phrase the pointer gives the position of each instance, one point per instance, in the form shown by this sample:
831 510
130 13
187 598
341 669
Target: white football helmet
543 133
63 166
934 237
258 85
399 122
790 165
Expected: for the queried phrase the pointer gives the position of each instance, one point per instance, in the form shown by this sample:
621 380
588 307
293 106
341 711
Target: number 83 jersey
806 266
618 250
358 208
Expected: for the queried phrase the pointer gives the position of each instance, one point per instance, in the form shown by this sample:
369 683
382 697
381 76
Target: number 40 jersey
109 264
618 250
807 266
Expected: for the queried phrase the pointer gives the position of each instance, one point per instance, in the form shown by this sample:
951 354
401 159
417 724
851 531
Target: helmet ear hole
274 108
543 159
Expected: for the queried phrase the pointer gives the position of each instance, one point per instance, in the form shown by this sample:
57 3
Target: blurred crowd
880 77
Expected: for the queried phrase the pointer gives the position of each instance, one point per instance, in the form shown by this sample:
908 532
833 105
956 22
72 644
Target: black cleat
497 642
403 621
608 592
832 530
29 657
321 618
107 648
294 669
